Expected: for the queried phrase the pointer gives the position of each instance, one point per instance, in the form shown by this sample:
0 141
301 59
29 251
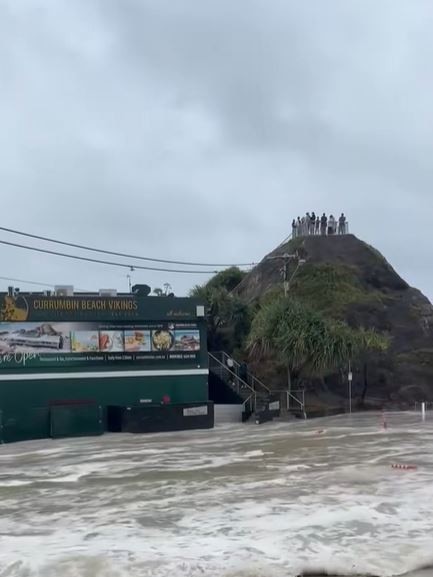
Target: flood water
247 500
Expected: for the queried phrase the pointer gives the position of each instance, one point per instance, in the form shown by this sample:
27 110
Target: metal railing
292 396
237 384
251 380
313 231
316 232
285 241
293 400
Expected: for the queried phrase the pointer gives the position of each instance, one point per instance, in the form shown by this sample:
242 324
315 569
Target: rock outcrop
349 280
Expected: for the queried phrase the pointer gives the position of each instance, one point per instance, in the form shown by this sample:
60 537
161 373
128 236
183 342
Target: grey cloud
196 130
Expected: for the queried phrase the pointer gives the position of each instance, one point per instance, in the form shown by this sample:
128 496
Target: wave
98 566
333 574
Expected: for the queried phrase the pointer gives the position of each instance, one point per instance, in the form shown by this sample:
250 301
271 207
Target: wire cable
107 262
35 283
121 254
20 280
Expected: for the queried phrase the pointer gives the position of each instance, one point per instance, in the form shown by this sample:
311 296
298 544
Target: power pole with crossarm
287 258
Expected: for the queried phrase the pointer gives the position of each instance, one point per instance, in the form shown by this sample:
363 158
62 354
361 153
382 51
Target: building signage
195 411
43 308
32 344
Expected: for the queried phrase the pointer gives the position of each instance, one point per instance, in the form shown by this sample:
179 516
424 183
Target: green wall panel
22 424
102 391
76 421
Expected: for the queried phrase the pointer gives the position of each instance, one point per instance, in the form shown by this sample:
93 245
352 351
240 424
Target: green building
66 358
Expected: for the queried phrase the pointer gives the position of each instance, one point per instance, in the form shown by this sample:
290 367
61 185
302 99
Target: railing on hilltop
311 230
317 232
285 241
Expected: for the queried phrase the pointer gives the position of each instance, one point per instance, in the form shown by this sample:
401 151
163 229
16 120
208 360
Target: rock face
347 279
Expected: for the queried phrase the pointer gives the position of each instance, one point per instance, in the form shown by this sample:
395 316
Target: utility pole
287 258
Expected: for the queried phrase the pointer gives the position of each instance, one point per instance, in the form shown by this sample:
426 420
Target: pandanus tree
308 344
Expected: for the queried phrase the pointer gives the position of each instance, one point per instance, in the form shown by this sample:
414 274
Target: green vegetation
304 332
420 356
330 289
229 317
306 342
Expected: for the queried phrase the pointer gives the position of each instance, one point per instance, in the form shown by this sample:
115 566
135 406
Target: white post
349 377
423 411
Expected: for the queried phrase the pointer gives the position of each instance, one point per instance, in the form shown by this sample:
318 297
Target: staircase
256 397
251 392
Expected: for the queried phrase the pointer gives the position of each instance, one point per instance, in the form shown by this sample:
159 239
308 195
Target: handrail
238 379
300 403
306 232
291 395
286 240
255 382
254 379
248 400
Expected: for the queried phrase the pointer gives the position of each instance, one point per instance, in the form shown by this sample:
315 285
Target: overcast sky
195 130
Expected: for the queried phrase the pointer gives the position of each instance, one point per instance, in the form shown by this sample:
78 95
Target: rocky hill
347 279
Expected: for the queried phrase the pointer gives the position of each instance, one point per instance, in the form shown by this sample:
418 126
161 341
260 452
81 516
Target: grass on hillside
331 288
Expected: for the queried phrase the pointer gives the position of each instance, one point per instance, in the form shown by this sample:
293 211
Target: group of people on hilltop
310 224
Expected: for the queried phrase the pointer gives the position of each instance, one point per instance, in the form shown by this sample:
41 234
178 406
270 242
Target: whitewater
241 500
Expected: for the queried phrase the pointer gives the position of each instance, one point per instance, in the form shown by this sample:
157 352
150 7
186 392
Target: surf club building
75 364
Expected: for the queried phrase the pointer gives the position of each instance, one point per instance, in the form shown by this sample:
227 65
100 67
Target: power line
44 284
33 282
107 262
125 255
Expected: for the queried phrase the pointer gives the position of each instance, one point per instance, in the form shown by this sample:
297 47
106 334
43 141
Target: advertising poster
32 344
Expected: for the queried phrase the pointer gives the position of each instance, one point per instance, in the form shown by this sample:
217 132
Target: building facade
65 359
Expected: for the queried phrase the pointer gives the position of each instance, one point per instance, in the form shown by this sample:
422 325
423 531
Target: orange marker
404 467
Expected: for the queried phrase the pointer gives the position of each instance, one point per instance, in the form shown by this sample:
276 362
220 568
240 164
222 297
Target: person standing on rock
294 229
307 223
317 225
312 223
303 225
342 224
323 224
331 225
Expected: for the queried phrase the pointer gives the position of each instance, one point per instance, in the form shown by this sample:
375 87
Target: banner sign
94 308
64 344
